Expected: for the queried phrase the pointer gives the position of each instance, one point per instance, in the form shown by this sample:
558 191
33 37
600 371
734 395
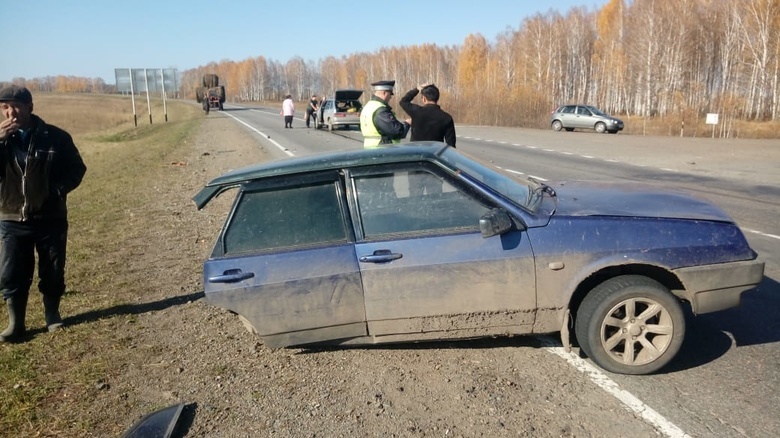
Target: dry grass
82 114
696 127
121 159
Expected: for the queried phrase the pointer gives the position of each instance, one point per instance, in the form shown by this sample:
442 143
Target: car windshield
523 192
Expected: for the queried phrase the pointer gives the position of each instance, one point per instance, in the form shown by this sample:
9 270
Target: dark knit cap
15 93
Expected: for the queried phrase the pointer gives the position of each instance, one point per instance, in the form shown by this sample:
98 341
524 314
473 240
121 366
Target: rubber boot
51 309
17 307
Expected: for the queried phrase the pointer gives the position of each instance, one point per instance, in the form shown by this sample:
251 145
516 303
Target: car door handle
231 276
381 256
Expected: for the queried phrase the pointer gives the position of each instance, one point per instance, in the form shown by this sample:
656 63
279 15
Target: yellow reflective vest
371 136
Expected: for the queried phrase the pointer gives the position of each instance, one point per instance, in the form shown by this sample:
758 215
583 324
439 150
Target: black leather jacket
53 168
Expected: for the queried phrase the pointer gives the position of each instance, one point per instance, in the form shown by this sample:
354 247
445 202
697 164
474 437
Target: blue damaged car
422 243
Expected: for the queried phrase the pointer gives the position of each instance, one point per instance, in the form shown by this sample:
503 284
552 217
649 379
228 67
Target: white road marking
773 236
511 171
266 136
633 404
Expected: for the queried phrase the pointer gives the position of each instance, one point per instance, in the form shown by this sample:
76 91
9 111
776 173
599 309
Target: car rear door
567 115
285 261
427 272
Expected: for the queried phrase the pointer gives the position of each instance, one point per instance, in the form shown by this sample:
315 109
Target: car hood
348 94
584 198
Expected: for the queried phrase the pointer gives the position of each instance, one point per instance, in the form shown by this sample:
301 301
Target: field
125 235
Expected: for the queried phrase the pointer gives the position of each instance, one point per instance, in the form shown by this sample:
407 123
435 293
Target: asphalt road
726 380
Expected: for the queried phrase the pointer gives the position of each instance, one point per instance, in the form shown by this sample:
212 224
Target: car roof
408 152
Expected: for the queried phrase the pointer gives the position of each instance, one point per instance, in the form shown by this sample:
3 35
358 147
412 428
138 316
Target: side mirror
494 222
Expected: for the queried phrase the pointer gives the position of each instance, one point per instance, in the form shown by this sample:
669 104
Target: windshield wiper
543 188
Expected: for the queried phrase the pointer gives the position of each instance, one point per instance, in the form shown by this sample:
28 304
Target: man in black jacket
39 166
429 122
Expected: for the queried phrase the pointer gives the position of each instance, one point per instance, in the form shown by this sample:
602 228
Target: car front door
285 261
427 272
585 119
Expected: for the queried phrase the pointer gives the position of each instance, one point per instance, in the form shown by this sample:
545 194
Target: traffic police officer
377 121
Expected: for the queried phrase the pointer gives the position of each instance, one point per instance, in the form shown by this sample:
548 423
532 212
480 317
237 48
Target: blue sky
90 38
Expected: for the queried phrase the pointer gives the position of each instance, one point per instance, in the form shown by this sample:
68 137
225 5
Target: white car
341 110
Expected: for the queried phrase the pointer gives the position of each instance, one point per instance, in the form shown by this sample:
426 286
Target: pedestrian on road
429 121
314 107
288 111
378 124
39 166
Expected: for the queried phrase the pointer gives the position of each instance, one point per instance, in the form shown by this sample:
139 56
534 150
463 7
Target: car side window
568 110
286 217
581 110
414 202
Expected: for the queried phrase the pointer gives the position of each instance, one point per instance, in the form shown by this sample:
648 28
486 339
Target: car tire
557 125
601 128
634 313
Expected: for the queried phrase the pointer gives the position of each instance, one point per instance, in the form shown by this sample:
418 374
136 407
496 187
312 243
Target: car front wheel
630 325
601 128
557 125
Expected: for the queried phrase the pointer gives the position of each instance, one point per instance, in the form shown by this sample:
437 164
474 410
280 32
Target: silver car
342 110
571 117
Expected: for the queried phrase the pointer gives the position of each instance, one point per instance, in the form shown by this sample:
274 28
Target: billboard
162 81
153 80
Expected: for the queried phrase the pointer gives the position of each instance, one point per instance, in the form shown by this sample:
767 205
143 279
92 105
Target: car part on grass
158 424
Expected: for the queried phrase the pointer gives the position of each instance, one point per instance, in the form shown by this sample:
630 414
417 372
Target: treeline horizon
666 59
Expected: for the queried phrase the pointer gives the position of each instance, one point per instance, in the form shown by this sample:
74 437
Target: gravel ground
181 350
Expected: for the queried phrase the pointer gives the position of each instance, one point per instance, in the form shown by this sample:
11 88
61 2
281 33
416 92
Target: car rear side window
286 218
567 110
414 202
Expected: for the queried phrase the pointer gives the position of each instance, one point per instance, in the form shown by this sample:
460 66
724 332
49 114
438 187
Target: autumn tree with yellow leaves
648 58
